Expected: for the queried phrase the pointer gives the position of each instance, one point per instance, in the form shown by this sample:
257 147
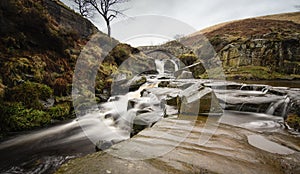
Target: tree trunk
108 28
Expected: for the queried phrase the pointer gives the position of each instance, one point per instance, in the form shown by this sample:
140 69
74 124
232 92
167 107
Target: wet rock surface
249 139
172 146
189 142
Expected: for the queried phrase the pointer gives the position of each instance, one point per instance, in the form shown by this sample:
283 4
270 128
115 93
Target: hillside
257 48
293 17
40 41
39 46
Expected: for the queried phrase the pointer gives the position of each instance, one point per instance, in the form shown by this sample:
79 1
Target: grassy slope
293 17
37 59
239 31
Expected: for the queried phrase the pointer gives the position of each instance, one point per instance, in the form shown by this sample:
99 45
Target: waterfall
159 66
273 107
283 103
285 107
241 107
166 66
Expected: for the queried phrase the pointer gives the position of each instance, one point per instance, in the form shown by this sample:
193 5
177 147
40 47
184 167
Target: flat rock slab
172 146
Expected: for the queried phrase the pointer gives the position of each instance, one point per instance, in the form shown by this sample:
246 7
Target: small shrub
120 53
16 117
30 94
188 59
60 87
60 111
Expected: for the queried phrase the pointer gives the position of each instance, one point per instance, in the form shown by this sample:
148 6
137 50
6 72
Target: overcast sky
200 14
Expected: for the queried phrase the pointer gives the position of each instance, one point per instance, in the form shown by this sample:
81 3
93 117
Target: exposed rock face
280 55
266 43
64 16
185 75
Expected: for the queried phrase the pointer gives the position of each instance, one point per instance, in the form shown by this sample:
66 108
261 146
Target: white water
283 104
162 63
159 66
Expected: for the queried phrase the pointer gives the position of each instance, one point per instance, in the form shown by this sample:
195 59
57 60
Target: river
252 122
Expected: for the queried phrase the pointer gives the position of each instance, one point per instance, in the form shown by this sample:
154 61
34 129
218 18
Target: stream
239 123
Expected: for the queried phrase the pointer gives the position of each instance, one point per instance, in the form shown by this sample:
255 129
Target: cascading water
122 113
274 106
259 99
281 106
166 66
285 107
159 66
112 123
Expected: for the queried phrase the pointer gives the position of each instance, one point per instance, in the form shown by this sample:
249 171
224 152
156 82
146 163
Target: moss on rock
293 121
23 68
188 59
16 117
29 94
60 111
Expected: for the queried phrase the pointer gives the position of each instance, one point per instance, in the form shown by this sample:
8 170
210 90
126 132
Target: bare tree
83 7
178 36
108 9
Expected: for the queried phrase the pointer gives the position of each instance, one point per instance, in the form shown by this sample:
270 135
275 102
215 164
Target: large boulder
193 100
145 120
124 86
142 113
185 75
198 100
197 69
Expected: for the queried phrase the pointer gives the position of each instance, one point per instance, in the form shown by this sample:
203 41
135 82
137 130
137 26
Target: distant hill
293 17
265 47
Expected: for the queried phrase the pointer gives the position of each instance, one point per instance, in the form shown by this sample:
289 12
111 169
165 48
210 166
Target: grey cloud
203 13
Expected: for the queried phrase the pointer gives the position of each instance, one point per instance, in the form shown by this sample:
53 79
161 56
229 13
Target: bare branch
108 9
111 17
83 8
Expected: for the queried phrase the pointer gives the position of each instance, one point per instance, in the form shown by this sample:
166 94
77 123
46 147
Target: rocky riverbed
169 125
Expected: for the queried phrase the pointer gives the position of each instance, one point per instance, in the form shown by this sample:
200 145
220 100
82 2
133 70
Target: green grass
254 73
30 94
